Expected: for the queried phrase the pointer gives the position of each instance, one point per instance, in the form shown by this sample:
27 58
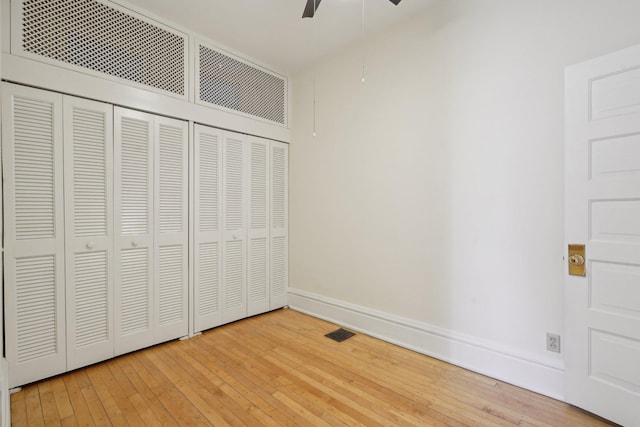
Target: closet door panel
88 135
34 239
208 226
279 207
171 229
234 283
134 208
258 227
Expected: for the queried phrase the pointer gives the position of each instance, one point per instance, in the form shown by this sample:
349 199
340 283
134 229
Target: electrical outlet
553 342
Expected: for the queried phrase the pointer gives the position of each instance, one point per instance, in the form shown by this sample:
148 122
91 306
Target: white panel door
208 228
34 233
171 237
602 323
234 282
279 207
258 227
88 174
134 208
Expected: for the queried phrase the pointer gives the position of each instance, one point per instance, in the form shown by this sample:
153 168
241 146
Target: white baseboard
465 351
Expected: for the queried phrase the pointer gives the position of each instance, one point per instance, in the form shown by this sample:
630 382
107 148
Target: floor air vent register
340 335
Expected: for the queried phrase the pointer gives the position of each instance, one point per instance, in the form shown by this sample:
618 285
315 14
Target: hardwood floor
279 369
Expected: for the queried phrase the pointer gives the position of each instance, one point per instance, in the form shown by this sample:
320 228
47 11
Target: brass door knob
576 259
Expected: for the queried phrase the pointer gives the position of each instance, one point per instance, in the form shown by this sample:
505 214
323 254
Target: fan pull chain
363 42
315 54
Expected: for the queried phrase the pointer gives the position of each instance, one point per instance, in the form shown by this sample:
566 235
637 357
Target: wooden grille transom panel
231 83
92 35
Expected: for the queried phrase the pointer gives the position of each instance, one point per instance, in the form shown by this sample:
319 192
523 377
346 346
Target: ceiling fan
309 9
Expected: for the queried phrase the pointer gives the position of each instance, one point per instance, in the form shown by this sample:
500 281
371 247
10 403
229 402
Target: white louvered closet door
34 233
171 237
258 227
207 226
88 153
134 206
279 224
234 283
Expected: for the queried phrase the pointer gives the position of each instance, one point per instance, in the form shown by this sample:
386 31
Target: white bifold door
96 231
240 244
34 284
151 202
171 236
279 229
207 228
88 179
258 226
234 234
96 202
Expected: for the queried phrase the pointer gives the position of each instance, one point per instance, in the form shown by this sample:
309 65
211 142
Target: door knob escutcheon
576 260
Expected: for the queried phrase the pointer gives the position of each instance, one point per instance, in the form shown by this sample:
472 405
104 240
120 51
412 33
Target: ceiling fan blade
395 2
309 10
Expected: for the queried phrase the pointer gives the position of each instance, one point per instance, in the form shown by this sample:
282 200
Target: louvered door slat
134 225
33 232
279 206
135 170
208 281
258 275
234 183
234 289
89 230
279 266
92 322
171 235
171 179
135 310
259 181
34 161
208 161
36 304
234 284
258 227
170 289
279 251
207 236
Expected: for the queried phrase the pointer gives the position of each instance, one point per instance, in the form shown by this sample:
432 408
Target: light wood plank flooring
279 369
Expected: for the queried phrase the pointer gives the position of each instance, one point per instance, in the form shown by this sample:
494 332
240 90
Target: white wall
434 192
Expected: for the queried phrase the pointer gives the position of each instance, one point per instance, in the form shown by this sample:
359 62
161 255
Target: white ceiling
273 33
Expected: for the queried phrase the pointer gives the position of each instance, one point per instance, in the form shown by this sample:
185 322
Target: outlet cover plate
553 342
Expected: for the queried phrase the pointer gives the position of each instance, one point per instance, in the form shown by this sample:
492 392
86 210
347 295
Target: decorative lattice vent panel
92 35
231 83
